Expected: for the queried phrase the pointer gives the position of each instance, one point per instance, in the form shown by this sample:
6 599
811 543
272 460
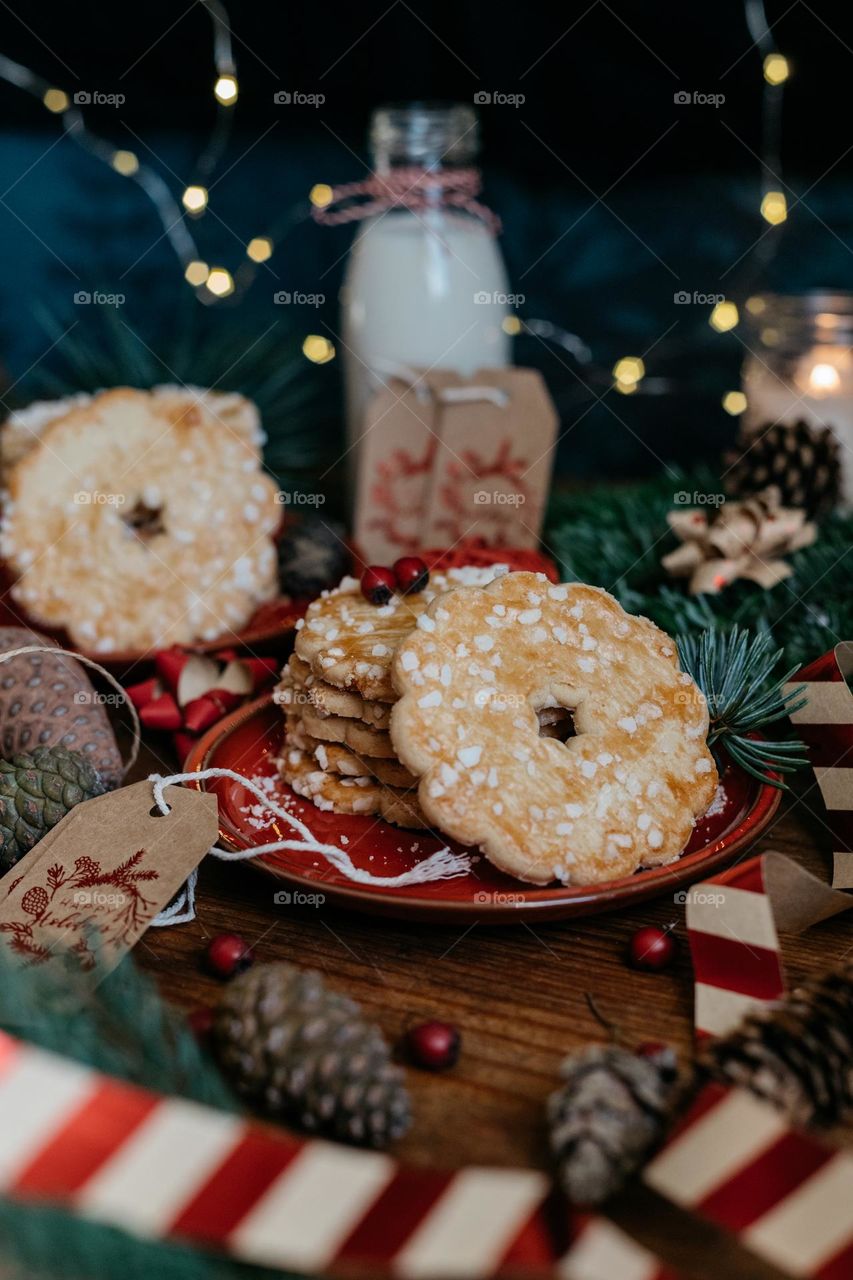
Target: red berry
200 1022
652 948
411 574
228 954
433 1045
378 583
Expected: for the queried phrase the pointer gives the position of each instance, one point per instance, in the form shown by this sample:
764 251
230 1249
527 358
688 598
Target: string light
734 402
320 195
56 100
196 272
774 207
220 282
756 305
776 68
724 317
823 379
511 325
628 373
259 249
194 199
225 90
317 349
125 163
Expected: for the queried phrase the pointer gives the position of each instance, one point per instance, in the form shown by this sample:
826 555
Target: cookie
363 796
333 757
298 684
351 733
621 794
137 521
350 643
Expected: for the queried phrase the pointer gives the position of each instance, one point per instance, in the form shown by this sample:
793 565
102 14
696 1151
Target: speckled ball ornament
47 700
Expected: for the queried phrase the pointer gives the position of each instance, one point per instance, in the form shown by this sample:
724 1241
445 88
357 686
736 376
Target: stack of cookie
337 695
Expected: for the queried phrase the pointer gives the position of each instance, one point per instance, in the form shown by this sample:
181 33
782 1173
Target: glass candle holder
800 367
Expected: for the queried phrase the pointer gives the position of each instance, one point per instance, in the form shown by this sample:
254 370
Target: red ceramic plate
248 739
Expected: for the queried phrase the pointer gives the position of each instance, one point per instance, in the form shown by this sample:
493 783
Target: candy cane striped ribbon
734 1159
164 1168
826 725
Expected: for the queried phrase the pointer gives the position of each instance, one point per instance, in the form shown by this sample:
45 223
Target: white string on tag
441 865
449 395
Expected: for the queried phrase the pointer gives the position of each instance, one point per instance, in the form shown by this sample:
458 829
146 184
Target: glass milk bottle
425 286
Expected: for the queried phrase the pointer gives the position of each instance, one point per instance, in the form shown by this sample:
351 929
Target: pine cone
36 791
306 1054
798 1054
312 557
607 1116
802 460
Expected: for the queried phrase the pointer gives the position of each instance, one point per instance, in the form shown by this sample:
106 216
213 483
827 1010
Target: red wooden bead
228 954
433 1045
378 583
652 948
411 573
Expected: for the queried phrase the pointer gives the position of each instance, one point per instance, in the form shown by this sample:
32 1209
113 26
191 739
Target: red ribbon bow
191 691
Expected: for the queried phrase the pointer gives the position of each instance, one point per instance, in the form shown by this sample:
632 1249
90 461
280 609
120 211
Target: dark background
613 197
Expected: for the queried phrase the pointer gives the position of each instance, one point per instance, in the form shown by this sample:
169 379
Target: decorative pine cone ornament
47 700
307 1055
742 540
313 556
797 1054
608 1115
37 789
803 461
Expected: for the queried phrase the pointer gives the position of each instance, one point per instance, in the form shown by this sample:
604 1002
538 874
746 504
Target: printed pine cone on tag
798 1054
36 792
607 1116
307 1054
801 459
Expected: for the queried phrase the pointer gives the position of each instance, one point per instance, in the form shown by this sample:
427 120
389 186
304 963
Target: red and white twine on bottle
409 188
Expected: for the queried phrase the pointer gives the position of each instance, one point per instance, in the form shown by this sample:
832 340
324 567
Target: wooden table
517 995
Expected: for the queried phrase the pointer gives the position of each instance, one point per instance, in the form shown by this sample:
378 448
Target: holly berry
378 583
228 954
411 573
433 1045
200 1022
652 948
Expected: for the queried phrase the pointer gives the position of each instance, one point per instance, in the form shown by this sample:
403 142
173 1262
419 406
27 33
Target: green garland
614 537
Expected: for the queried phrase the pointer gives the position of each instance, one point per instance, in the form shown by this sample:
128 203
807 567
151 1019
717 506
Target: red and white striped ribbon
165 1168
825 724
733 1159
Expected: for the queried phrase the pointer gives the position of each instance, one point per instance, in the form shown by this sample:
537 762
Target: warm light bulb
824 379
317 349
125 163
220 282
628 371
734 402
56 100
225 90
196 272
776 68
723 317
756 305
320 195
194 199
260 248
511 325
774 208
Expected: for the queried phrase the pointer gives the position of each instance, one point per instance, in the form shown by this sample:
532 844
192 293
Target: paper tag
493 463
438 462
395 458
95 882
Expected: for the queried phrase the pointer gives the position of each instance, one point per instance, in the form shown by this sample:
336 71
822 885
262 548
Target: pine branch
735 671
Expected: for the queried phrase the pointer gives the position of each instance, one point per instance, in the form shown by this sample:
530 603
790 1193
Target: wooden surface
517 995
